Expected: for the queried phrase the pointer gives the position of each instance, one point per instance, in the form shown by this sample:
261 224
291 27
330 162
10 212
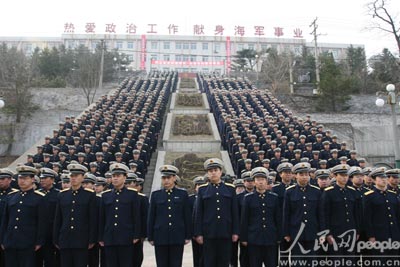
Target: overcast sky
340 21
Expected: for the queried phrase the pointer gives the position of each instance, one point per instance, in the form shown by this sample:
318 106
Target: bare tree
85 75
15 78
275 69
383 20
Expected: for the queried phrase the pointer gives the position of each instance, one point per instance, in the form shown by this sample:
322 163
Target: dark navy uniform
301 207
340 212
24 224
216 219
75 225
382 214
169 225
260 227
119 225
48 253
138 247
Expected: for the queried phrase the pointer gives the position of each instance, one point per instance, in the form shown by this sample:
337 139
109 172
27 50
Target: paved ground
150 260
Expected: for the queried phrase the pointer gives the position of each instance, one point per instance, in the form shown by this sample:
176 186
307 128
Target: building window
193 58
178 45
264 47
204 46
251 46
154 45
165 69
185 58
130 45
217 47
167 45
130 58
193 46
166 57
205 58
178 57
153 57
185 46
119 45
94 45
205 70
240 47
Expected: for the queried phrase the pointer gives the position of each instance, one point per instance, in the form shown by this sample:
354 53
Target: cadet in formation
169 223
120 222
216 223
76 220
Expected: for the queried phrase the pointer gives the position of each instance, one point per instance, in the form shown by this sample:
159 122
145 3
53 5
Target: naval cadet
340 211
169 223
300 209
261 222
285 172
48 255
216 216
119 226
24 221
144 209
381 213
5 188
197 249
76 220
393 180
323 178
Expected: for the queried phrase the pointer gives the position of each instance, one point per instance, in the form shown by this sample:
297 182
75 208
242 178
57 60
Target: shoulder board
290 187
39 193
57 190
229 184
276 184
203 185
141 194
132 189
64 190
350 187
329 188
99 195
90 190
108 190
273 193
316 187
368 193
248 194
391 191
12 192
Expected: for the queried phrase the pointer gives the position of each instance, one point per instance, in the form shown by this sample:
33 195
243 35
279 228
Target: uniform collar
23 193
303 188
169 190
119 190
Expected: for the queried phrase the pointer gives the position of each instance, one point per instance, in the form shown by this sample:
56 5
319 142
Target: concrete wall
54 105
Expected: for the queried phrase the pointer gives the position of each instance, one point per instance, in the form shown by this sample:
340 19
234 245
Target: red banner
188 63
228 55
143 53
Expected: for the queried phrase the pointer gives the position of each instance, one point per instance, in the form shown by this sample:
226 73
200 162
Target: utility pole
291 65
314 32
101 65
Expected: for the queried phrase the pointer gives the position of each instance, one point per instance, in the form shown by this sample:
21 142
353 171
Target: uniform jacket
76 219
24 220
169 217
261 219
216 211
120 221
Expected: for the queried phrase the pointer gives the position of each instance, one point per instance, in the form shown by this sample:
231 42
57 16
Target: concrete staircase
150 174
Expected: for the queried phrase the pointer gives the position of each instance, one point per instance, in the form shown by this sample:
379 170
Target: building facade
180 53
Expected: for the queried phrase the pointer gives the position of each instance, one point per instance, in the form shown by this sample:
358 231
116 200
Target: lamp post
2 103
392 101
